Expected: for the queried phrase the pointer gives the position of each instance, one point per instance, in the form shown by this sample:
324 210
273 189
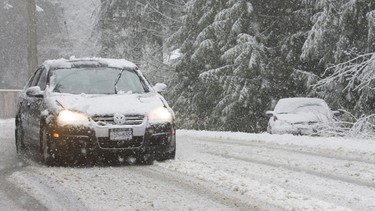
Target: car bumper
295 130
75 141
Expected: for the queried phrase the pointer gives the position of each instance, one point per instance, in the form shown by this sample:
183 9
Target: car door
32 112
22 113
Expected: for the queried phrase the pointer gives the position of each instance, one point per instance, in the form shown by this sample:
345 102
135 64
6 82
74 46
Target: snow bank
333 143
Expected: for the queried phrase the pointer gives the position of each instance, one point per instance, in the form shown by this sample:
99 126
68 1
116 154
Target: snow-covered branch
357 74
363 127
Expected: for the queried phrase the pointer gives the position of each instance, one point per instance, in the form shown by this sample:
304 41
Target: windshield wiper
59 104
118 79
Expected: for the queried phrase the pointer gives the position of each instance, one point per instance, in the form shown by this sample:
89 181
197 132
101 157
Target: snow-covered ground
212 171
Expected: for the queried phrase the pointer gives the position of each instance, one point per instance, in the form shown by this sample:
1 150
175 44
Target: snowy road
212 171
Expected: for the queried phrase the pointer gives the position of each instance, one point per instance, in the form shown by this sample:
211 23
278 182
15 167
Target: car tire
145 159
47 157
269 129
20 145
167 156
172 155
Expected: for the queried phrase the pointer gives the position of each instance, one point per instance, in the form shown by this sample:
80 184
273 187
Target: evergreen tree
342 41
136 30
222 68
191 105
240 56
120 27
283 25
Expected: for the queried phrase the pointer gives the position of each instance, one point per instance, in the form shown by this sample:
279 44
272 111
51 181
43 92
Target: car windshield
293 107
100 80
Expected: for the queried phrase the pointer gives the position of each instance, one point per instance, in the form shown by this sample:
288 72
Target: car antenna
60 104
118 79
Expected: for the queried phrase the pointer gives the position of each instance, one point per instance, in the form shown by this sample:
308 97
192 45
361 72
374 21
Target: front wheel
269 129
145 159
167 156
20 145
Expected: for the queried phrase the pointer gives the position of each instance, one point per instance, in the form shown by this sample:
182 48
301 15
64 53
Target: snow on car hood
109 104
302 117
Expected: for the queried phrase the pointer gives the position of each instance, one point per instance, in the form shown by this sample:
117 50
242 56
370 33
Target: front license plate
120 134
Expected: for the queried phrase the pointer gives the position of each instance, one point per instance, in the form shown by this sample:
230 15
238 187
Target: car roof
301 99
78 62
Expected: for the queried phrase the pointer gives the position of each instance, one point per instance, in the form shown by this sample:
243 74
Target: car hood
302 117
108 104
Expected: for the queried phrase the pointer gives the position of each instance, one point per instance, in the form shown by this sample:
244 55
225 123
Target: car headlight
67 117
160 114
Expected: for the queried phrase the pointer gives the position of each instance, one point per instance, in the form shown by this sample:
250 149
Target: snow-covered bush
355 79
364 127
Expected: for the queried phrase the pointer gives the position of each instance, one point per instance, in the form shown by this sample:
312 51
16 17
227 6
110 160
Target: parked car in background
94 108
300 116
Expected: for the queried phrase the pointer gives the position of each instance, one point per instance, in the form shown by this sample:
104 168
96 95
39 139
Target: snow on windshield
301 105
95 81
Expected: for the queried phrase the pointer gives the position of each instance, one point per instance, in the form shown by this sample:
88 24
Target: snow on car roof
301 100
65 63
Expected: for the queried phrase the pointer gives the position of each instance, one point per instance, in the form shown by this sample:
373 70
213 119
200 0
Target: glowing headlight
69 117
160 114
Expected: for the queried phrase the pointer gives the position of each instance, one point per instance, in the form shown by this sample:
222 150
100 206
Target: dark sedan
94 108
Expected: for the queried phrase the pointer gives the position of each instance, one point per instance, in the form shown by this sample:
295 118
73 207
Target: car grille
133 143
108 120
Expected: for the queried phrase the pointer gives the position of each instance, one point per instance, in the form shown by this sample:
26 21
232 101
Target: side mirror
160 87
34 91
269 113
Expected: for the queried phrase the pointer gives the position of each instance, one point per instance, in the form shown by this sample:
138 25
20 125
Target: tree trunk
32 42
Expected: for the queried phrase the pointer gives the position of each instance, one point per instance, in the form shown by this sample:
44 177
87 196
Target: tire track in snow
20 197
9 165
284 181
353 196
201 187
355 157
296 169
267 195
50 195
367 179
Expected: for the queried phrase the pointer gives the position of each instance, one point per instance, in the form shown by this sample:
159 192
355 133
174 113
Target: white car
92 108
300 116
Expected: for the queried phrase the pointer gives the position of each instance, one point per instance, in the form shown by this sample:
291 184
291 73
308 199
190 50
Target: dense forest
236 58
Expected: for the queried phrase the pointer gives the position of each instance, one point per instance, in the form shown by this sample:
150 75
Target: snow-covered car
300 116
94 108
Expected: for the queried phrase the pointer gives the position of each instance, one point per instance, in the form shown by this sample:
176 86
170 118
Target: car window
36 77
100 80
29 83
312 107
43 79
